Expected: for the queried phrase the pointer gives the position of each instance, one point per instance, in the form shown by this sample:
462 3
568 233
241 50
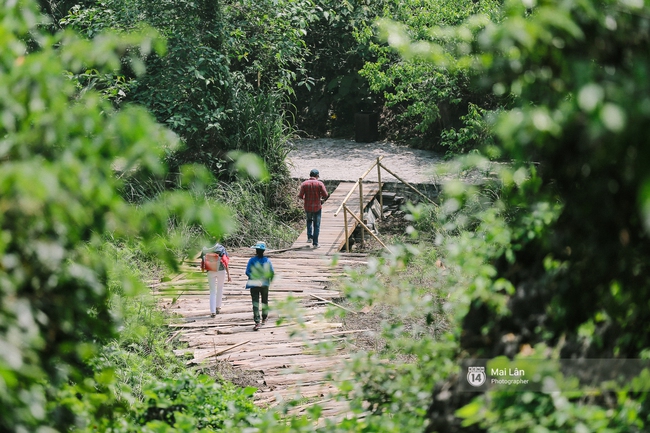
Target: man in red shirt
311 192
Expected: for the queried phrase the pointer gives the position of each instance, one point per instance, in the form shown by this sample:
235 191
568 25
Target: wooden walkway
283 352
332 228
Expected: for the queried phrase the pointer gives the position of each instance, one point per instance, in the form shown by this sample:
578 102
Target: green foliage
248 201
552 412
126 394
425 99
257 125
560 255
202 87
267 42
59 197
190 403
587 137
337 91
474 134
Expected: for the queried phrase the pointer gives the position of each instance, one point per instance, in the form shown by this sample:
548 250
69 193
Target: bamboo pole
381 197
287 249
408 184
347 234
345 199
174 335
215 353
369 231
361 208
330 302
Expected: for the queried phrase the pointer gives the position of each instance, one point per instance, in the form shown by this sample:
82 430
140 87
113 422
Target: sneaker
213 315
309 241
316 246
218 311
256 327
263 321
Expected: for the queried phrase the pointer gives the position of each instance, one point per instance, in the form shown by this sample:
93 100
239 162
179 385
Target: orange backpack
210 261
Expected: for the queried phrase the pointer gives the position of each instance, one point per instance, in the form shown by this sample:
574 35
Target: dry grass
421 273
237 376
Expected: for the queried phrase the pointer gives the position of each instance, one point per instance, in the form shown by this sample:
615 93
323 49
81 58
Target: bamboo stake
305 406
174 335
330 302
287 249
381 197
216 353
347 234
369 231
361 209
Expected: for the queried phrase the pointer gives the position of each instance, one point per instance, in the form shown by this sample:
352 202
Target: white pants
216 280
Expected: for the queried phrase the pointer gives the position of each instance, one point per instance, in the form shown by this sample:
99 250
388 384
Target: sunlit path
280 351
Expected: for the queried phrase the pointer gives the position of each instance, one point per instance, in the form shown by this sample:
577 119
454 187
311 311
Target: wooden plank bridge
289 366
332 233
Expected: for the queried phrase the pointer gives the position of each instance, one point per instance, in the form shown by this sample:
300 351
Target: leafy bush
336 91
474 134
205 86
557 261
426 99
190 403
248 201
59 197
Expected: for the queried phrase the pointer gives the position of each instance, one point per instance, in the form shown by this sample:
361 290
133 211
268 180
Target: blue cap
313 173
260 245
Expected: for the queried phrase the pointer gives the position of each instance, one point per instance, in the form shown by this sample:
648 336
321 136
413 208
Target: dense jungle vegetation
133 131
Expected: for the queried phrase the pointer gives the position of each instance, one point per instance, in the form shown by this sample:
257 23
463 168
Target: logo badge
476 376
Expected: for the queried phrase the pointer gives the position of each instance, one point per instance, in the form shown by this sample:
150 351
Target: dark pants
313 225
255 296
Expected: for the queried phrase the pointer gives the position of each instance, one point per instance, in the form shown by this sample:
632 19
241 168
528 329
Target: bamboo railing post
361 207
345 223
381 197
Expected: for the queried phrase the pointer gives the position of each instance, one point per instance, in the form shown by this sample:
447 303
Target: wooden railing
359 219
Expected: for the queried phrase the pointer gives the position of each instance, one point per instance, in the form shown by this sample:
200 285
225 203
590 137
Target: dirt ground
346 160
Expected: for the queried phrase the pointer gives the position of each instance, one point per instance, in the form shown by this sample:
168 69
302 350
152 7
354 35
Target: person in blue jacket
259 271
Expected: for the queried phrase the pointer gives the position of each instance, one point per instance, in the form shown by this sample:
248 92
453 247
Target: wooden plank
295 378
196 359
